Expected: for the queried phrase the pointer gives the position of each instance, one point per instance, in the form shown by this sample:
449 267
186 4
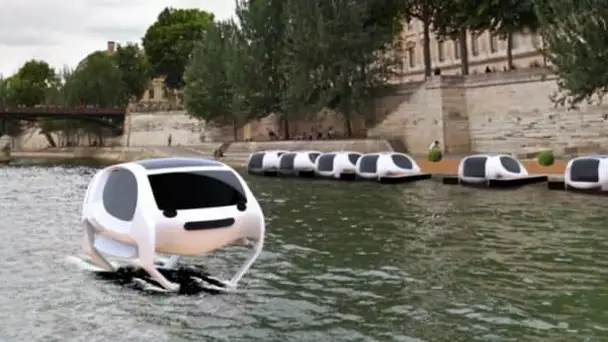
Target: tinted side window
313 156
402 161
196 190
256 160
326 162
353 158
585 170
369 164
510 164
475 167
120 194
287 161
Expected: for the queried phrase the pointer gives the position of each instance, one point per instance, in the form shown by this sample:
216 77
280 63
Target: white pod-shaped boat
384 165
298 163
481 168
264 162
587 173
175 206
339 165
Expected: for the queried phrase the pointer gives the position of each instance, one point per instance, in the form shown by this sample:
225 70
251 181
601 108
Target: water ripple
344 262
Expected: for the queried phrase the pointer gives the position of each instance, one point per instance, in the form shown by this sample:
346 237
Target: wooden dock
499 183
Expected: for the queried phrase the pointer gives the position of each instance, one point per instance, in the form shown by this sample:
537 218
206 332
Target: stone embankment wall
141 129
362 146
154 129
498 112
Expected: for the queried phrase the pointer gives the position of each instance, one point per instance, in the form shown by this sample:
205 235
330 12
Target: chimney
111 46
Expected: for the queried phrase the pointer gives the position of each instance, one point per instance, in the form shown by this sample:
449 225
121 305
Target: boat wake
193 280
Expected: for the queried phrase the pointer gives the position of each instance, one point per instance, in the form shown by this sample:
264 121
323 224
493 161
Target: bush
546 158
435 155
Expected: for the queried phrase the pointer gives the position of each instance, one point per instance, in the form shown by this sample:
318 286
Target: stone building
485 50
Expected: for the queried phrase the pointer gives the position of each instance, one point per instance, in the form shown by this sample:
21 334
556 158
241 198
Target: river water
344 262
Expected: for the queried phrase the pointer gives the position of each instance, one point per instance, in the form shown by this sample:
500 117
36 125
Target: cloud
63 32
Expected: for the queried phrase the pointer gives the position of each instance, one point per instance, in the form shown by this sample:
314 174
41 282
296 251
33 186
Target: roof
169 163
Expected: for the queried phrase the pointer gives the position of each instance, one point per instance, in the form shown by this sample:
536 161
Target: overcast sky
62 32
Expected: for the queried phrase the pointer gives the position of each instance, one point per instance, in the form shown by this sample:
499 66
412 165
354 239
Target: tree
453 22
358 55
30 84
97 81
427 11
505 17
3 91
214 88
576 36
134 69
170 40
262 24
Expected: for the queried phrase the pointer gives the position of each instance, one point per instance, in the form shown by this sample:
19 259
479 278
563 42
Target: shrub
546 158
435 155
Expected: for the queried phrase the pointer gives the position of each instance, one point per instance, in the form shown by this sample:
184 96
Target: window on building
151 93
440 51
411 56
474 44
456 48
493 43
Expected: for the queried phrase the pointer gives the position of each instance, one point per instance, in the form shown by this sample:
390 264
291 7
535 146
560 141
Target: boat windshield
196 189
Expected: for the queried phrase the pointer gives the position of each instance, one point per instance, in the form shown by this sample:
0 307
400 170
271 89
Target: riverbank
83 156
236 156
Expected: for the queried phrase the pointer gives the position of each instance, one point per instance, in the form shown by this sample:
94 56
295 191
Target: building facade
485 51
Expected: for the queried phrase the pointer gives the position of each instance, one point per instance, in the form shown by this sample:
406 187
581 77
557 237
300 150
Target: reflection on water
344 262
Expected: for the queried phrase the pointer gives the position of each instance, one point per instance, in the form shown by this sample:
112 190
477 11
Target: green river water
345 261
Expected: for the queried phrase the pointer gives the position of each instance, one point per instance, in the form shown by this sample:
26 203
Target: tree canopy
291 58
28 87
577 35
214 77
169 41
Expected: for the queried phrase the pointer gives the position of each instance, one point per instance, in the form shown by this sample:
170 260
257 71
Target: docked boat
264 162
339 165
482 168
300 163
587 173
386 166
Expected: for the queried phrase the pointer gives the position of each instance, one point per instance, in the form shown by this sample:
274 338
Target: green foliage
135 70
30 84
546 158
305 56
3 91
97 81
171 39
214 77
576 36
262 26
435 155
357 55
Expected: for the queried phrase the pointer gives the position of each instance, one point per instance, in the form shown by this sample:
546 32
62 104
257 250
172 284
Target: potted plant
435 155
546 158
